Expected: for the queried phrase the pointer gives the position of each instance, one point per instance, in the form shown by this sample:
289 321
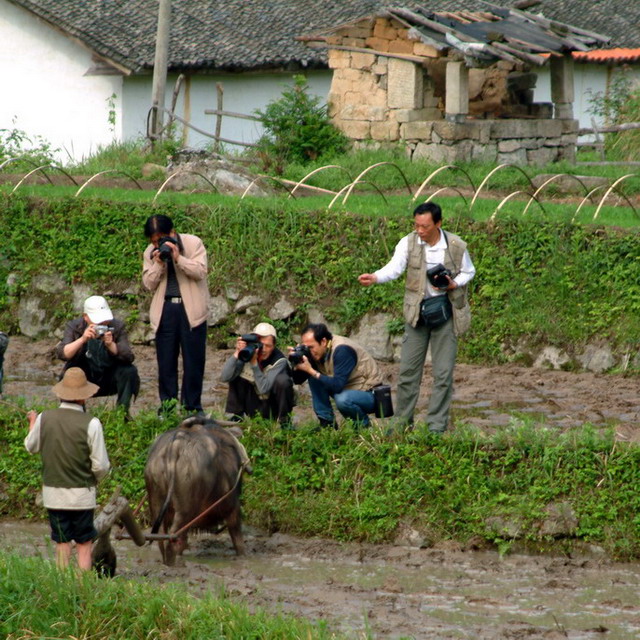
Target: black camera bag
383 401
435 311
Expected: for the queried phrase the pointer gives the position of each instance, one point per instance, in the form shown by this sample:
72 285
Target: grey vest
66 457
416 283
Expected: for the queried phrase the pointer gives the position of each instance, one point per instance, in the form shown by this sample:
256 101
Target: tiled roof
606 56
619 19
482 37
235 35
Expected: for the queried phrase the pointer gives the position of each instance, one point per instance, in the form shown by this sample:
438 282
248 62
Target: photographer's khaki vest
416 283
365 374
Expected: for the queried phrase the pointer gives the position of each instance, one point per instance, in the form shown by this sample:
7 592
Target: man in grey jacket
259 378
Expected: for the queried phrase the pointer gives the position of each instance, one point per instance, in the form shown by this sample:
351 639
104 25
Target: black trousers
243 399
122 380
174 335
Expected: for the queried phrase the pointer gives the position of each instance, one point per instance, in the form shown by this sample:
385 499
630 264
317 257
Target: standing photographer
436 310
259 378
175 269
337 368
99 345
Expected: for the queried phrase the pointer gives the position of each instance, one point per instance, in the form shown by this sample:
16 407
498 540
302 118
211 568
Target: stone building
456 86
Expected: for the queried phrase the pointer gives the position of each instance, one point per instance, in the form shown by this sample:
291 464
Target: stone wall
533 142
37 317
377 99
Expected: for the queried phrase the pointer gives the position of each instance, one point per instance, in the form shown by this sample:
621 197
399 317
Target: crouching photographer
259 378
337 368
98 344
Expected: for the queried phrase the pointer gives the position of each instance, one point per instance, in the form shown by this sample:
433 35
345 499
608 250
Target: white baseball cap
264 329
97 308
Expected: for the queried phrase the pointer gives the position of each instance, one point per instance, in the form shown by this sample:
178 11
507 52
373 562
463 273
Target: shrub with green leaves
297 127
32 151
620 105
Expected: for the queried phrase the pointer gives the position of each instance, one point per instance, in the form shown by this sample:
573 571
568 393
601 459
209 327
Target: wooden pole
160 68
117 509
220 91
174 99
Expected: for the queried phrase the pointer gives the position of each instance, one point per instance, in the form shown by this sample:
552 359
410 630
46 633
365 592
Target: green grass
389 177
38 601
362 202
362 486
127 157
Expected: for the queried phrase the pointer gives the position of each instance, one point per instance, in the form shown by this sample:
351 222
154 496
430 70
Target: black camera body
253 345
438 276
101 329
299 351
164 247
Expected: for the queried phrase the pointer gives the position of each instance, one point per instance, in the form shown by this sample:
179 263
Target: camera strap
455 271
98 358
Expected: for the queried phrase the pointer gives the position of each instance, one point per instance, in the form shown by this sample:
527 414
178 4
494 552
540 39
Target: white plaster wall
45 90
243 93
589 79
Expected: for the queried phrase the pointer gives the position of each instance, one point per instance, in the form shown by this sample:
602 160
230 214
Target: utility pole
160 69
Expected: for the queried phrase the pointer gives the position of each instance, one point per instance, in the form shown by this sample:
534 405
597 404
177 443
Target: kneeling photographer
259 378
337 368
99 345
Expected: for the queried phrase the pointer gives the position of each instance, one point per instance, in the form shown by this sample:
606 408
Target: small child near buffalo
74 458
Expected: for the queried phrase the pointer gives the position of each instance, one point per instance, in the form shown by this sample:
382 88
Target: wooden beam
627 126
375 52
523 55
231 114
545 22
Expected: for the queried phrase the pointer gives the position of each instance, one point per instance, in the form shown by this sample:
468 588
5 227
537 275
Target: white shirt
433 255
77 497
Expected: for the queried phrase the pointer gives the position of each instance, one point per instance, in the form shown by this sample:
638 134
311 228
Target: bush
297 128
620 105
33 151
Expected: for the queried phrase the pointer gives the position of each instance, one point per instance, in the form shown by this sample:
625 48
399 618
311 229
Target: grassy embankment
485 490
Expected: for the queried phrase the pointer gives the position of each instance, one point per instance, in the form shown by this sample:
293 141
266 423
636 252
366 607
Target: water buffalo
188 469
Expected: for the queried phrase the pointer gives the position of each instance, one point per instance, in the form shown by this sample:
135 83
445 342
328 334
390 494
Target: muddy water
393 591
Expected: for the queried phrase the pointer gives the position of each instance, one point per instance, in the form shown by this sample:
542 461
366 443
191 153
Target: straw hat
74 385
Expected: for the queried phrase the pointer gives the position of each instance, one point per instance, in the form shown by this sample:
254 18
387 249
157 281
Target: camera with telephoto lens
101 329
253 345
164 247
438 276
299 352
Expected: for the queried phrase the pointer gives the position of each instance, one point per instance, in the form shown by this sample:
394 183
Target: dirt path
484 396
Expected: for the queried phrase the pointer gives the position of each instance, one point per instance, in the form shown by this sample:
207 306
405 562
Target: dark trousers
122 380
243 399
174 335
